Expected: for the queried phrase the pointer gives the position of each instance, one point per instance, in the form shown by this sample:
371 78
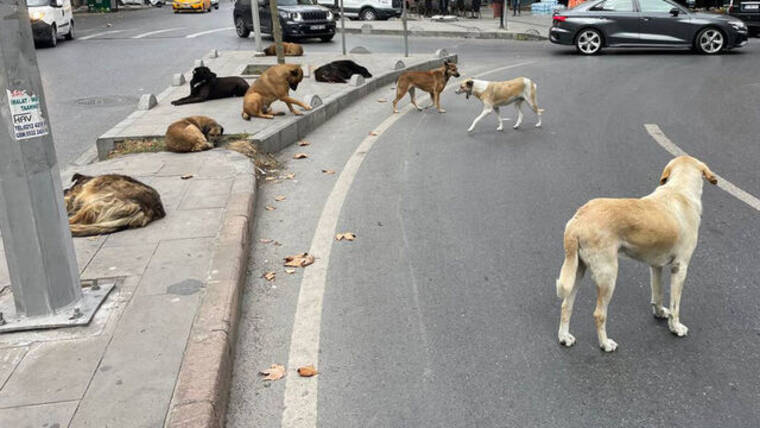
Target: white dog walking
498 94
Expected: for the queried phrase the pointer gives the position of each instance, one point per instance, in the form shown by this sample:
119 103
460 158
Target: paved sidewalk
122 370
523 27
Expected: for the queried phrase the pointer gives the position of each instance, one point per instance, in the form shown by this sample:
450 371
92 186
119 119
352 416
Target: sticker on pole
27 115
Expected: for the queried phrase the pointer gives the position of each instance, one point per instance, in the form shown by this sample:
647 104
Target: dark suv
748 11
299 19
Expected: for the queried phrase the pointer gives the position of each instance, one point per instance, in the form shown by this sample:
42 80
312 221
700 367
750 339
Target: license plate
318 27
751 6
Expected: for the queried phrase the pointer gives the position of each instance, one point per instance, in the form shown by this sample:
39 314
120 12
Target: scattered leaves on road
348 236
265 241
382 100
290 271
269 276
276 372
328 171
269 208
280 198
300 156
303 143
373 133
186 176
299 260
307 371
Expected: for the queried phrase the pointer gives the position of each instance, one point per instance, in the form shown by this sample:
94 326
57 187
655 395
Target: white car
51 20
366 10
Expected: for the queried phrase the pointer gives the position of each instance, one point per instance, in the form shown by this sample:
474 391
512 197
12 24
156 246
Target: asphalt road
443 312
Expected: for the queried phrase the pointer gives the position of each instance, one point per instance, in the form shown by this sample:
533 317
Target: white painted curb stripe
724 184
151 33
203 33
300 402
92 36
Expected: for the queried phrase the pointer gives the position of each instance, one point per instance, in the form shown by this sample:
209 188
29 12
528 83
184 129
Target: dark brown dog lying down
274 84
109 203
288 49
192 134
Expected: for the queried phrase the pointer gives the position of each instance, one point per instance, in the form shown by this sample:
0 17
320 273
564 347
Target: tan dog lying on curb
109 203
497 94
288 49
659 229
273 85
433 82
192 134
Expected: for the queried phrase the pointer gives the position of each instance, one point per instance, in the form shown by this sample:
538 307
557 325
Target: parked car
191 5
748 11
366 10
51 19
299 19
645 23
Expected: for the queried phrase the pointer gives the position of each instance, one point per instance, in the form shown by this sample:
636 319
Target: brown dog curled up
274 84
288 49
109 203
192 134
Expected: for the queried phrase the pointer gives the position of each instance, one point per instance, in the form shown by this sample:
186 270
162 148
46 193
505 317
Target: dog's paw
307 108
538 125
419 108
678 329
441 110
608 346
500 128
297 113
660 312
567 339
515 126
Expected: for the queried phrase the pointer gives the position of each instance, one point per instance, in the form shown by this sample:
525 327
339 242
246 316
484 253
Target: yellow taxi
191 5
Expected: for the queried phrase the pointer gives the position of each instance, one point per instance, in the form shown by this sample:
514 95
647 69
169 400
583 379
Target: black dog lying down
339 71
206 86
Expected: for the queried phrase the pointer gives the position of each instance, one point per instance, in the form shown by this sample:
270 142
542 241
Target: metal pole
403 23
342 28
276 31
38 245
501 18
256 25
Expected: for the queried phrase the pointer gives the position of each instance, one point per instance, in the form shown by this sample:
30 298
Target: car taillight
560 18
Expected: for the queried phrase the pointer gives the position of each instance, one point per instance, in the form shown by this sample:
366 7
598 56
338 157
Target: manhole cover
106 101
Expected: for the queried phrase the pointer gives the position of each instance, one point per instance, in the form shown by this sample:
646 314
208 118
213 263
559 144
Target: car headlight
738 25
36 15
291 16
329 16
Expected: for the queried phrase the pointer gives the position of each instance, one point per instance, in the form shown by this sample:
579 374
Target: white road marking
724 184
203 33
151 33
300 402
92 36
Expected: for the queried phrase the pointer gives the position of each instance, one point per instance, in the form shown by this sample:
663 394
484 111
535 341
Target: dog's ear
294 72
78 178
665 174
707 173
469 83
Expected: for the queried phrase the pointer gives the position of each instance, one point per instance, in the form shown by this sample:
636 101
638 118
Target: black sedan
645 23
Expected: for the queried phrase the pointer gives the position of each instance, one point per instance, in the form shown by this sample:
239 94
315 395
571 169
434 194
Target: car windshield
294 2
37 2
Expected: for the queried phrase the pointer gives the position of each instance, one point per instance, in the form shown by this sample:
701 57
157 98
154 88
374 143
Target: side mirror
675 11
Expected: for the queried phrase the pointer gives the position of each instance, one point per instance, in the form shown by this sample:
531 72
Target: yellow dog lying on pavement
659 229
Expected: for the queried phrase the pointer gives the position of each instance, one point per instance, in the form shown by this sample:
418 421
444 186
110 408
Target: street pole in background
403 23
342 28
256 25
38 246
501 18
276 31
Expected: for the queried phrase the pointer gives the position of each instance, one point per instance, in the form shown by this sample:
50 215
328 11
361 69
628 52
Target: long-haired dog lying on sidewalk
109 203
659 229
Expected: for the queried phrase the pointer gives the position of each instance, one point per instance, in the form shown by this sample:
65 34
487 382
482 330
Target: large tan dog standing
659 229
274 84
433 82
498 94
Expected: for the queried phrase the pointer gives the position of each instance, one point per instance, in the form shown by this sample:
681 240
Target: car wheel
710 41
368 14
70 34
216 6
240 28
53 41
326 38
589 41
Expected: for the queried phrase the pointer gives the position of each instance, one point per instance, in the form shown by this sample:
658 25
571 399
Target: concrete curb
503 35
203 384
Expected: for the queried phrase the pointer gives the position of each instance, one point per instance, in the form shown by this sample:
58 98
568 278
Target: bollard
178 79
147 102
356 80
399 65
360 50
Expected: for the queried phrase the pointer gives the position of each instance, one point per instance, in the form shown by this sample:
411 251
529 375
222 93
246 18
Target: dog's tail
567 275
533 97
99 228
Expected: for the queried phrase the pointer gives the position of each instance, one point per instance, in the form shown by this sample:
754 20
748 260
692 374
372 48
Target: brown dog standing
274 84
288 49
433 82
191 134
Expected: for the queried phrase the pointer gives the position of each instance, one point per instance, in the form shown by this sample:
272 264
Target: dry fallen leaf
280 198
328 171
348 236
290 271
382 100
373 133
299 260
186 176
300 156
276 372
291 176
270 178
307 371
277 244
265 241
269 276
268 208
304 143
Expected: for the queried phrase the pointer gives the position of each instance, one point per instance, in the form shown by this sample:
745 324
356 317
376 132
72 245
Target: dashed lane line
152 33
203 33
300 401
103 33
724 184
